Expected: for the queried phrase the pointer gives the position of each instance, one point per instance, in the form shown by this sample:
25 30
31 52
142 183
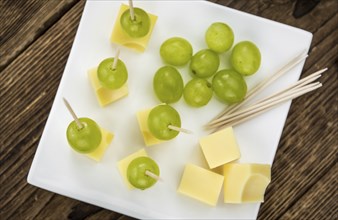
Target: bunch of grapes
228 85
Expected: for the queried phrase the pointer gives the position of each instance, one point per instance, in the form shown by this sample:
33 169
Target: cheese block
245 183
148 137
107 138
124 163
201 184
105 96
119 36
220 147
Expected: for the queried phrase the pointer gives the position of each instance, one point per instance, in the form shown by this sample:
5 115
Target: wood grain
22 22
318 201
35 40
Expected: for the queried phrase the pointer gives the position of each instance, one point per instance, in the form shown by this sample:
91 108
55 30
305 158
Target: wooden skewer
267 103
132 14
271 79
295 85
299 58
152 175
172 127
271 102
257 111
116 58
76 119
301 82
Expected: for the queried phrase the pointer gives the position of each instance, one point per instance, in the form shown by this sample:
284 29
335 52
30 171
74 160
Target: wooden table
36 38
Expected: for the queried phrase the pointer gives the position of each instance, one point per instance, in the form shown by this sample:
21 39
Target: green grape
160 118
139 27
168 84
197 92
204 63
219 37
176 51
109 77
136 172
245 58
229 86
85 139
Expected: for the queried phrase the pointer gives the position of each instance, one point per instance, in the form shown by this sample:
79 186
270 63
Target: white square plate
57 168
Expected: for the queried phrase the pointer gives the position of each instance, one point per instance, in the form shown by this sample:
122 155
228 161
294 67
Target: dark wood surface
35 41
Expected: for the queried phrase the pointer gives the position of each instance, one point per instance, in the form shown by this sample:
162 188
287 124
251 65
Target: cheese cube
119 36
201 184
107 138
148 137
124 163
105 96
220 147
245 183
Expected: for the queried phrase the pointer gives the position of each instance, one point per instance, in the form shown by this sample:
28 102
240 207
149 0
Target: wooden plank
24 122
317 203
104 214
281 11
22 22
70 209
32 93
307 147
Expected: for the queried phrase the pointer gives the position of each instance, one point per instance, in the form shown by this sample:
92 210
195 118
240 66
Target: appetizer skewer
86 137
133 27
139 171
161 123
109 80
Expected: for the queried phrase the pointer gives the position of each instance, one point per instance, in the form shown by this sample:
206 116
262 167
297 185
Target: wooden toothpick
76 119
175 128
152 175
116 58
132 14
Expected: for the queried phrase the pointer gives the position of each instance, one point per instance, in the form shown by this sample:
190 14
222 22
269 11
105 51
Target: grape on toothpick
83 134
164 122
112 72
143 172
135 22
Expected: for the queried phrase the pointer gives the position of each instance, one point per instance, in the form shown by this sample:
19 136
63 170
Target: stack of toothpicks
238 113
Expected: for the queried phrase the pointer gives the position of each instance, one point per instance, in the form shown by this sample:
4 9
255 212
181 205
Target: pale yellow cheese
201 184
148 137
105 96
220 147
107 138
245 183
124 163
119 36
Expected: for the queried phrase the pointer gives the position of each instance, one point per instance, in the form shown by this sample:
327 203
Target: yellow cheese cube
107 138
245 183
119 36
124 163
105 96
148 137
201 184
220 147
